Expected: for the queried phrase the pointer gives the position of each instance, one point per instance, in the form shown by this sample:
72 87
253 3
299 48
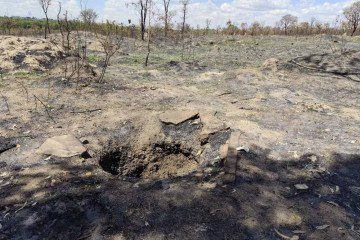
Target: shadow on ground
83 202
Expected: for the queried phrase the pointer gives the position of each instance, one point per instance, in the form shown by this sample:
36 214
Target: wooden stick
87 110
46 108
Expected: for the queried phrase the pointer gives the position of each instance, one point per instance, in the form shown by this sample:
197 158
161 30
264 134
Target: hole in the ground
160 160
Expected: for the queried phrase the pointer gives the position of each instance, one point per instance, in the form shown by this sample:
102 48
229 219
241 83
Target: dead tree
352 14
184 4
149 34
142 6
168 15
45 7
88 17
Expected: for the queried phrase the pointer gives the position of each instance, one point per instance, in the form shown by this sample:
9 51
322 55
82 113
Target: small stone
224 151
313 158
322 227
243 148
301 186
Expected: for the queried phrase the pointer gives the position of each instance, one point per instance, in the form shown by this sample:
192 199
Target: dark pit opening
160 160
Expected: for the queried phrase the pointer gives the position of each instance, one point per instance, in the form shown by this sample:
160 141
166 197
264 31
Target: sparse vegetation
158 129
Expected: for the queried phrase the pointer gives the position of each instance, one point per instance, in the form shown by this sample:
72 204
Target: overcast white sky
218 11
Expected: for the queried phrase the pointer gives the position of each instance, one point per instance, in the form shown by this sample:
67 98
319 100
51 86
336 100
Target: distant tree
244 27
304 28
207 25
88 16
287 22
168 15
45 7
8 23
184 10
142 6
352 14
255 28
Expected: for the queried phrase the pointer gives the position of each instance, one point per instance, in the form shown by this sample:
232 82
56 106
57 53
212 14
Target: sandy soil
300 121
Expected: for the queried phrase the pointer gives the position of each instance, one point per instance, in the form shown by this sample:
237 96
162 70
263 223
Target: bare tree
184 4
142 6
244 27
352 14
287 22
167 16
88 16
149 34
65 28
45 7
207 25
111 42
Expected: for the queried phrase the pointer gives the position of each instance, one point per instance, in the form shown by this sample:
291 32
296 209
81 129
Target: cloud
31 8
238 11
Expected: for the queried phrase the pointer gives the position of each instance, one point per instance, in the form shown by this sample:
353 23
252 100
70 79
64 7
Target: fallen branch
27 93
46 108
23 206
87 111
325 71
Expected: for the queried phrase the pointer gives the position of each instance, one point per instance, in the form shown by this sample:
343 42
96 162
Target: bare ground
300 121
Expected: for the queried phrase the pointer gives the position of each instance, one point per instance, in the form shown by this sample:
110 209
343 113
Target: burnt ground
300 121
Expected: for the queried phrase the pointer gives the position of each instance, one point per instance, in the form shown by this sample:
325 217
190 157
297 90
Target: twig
6 102
27 93
23 206
46 108
87 111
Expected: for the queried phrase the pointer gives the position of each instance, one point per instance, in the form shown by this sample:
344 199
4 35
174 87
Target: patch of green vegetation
146 76
93 58
22 74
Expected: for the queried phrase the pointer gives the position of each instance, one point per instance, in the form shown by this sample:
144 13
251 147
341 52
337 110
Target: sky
267 12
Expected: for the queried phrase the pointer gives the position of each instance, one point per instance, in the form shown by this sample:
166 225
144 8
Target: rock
301 186
243 148
6 144
313 158
177 117
223 151
286 217
322 227
62 146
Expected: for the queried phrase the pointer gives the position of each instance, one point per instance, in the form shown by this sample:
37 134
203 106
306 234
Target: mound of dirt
270 64
26 54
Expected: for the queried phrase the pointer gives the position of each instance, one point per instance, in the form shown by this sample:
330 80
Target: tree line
164 26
